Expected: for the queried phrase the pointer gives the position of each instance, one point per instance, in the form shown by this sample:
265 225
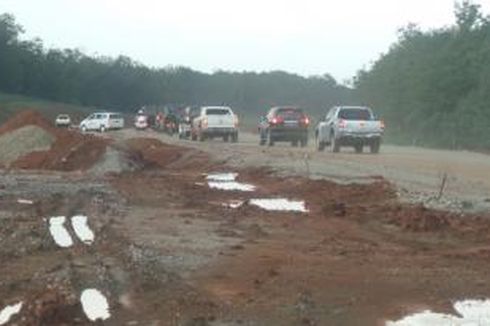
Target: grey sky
306 37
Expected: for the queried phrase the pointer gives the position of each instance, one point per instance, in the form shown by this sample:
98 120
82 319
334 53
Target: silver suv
354 126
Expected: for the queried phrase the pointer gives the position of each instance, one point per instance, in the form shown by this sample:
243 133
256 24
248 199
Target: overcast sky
304 36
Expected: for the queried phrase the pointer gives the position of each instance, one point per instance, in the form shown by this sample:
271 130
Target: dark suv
286 124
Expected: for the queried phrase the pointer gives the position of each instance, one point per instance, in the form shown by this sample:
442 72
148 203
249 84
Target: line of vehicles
341 126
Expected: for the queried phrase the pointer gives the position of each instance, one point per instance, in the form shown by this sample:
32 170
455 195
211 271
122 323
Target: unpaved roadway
416 172
169 249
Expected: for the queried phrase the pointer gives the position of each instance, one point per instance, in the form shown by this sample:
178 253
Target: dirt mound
152 153
69 150
26 118
23 141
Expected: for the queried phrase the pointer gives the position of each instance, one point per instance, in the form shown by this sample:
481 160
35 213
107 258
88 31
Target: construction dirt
170 247
45 147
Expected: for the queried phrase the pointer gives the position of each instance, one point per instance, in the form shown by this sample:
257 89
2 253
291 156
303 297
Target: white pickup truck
215 121
349 126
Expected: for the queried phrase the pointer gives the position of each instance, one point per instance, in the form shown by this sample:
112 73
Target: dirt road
418 173
172 248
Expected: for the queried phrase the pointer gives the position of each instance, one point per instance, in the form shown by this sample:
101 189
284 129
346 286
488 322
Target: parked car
284 124
215 121
354 126
62 120
102 121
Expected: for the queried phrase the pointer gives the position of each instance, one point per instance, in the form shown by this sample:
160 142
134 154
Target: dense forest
433 87
28 68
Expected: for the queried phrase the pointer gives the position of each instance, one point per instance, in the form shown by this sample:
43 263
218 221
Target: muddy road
174 244
417 173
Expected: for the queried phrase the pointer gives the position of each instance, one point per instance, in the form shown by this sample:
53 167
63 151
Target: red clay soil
25 118
152 153
71 150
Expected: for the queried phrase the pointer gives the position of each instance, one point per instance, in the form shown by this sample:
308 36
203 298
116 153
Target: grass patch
10 104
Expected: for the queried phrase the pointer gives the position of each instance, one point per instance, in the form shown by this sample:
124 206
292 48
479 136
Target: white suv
215 121
102 121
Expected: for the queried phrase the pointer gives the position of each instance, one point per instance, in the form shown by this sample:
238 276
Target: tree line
27 67
433 87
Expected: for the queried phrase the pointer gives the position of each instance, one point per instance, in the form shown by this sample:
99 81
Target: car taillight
342 124
382 124
277 120
205 122
236 121
305 121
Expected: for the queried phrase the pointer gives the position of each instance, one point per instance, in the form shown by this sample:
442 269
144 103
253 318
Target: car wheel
320 145
334 144
201 136
225 138
271 140
375 146
294 143
102 129
304 142
84 128
358 148
262 138
234 137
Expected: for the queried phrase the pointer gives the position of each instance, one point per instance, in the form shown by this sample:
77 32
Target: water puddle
231 186
227 182
472 313
95 305
280 204
59 232
8 312
82 230
234 204
25 201
222 177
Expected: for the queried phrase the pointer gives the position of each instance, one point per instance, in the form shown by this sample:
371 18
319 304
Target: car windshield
115 116
355 114
63 116
218 111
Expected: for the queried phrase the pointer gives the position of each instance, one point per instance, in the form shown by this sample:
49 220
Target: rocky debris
443 203
149 264
114 161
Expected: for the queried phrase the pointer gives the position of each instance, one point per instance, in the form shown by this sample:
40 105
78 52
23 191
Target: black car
284 124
